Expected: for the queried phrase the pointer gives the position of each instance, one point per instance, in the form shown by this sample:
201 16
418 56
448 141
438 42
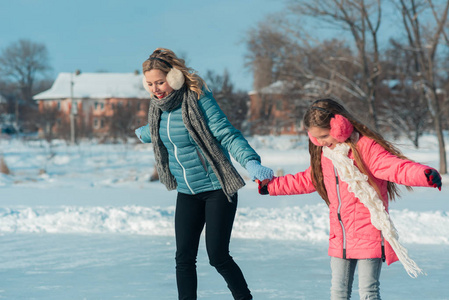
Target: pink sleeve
386 166
300 183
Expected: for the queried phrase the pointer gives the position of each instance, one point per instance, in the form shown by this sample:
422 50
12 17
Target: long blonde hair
194 82
321 118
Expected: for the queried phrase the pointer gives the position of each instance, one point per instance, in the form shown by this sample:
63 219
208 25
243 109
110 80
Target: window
99 105
98 123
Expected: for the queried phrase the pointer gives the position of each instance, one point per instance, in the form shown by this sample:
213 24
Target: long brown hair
194 82
321 118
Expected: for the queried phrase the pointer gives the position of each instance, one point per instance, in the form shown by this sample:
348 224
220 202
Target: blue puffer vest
191 170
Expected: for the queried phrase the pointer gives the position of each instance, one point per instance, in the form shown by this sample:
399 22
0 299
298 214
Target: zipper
339 215
176 154
383 247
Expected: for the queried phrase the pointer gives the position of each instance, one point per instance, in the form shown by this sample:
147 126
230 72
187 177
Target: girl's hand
263 186
433 178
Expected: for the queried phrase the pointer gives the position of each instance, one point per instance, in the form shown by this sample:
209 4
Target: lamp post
73 110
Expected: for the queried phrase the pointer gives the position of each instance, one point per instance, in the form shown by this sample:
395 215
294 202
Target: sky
118 35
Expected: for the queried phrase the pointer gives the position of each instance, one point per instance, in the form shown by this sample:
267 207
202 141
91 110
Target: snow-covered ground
84 222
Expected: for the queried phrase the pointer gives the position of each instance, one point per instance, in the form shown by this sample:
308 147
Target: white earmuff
175 78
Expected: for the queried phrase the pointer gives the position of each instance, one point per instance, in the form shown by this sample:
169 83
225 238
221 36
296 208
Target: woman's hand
138 133
257 171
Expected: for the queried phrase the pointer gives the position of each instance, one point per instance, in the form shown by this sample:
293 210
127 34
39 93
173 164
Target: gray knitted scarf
196 125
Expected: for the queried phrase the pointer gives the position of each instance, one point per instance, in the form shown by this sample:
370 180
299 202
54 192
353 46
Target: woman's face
323 137
156 80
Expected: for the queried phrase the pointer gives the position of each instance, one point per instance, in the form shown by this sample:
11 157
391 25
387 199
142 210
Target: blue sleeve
227 135
144 132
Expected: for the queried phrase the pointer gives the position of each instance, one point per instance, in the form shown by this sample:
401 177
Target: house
93 99
278 108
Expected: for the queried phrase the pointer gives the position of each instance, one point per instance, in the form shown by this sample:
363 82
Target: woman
191 139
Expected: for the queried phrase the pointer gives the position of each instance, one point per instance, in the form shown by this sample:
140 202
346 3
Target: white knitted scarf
358 185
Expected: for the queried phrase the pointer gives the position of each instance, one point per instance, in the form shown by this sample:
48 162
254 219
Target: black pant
214 210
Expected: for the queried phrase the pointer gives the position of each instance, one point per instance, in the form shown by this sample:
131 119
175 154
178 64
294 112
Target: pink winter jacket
355 237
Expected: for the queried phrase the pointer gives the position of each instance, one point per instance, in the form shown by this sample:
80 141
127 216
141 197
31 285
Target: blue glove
257 171
138 132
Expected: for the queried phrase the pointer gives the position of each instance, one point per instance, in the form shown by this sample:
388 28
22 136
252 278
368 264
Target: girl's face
156 80
323 137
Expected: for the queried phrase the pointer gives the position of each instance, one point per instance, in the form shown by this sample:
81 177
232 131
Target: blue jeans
343 276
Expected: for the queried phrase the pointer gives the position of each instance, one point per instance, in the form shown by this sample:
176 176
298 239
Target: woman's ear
175 78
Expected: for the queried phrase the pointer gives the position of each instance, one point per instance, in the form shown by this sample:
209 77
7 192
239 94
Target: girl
356 172
191 139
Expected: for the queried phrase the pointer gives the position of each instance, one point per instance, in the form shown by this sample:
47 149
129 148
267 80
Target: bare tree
267 48
345 70
403 108
233 103
299 70
362 19
22 63
46 119
424 39
123 121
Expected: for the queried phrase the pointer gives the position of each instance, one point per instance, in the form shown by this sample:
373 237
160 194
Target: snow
84 222
95 86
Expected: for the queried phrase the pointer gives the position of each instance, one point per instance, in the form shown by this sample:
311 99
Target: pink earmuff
341 130
313 140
